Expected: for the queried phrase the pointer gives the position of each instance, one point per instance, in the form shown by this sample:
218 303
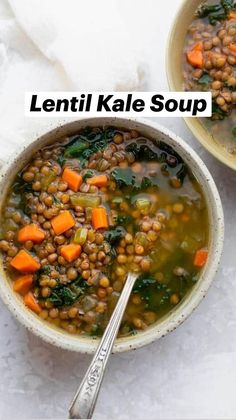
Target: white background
190 374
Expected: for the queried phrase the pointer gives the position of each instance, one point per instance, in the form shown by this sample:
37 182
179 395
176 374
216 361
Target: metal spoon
83 404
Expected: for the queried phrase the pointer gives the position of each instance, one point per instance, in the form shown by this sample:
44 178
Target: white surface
191 373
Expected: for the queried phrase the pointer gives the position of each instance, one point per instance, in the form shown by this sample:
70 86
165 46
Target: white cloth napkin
89 40
76 45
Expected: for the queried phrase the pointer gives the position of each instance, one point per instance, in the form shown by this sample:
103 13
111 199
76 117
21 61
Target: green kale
124 177
88 142
66 295
96 331
142 283
123 219
127 178
205 79
76 148
88 174
46 269
114 234
151 292
146 183
148 152
143 151
61 160
216 12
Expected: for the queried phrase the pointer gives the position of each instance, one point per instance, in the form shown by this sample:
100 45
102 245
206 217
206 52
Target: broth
87 210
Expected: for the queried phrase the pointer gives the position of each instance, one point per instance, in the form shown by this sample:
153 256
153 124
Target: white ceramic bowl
189 303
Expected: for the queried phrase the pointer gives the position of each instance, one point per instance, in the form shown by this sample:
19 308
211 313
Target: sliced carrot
32 233
198 47
63 222
232 15
73 179
195 58
24 262
71 252
99 218
31 302
195 55
200 258
22 284
98 181
233 47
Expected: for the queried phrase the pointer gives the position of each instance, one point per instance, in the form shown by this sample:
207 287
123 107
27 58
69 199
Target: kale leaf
123 219
143 151
151 292
88 174
175 165
96 331
114 234
75 149
66 295
88 142
124 177
205 79
216 12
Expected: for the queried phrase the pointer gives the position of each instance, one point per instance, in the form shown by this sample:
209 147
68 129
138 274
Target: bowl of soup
201 56
91 200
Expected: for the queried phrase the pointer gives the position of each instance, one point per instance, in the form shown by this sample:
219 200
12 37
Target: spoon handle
83 404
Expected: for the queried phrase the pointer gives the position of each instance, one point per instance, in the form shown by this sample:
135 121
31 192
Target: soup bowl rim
173 72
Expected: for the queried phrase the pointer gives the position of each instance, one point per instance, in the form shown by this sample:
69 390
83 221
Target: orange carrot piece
22 284
73 179
195 55
200 258
195 58
24 262
71 252
32 233
232 15
99 218
198 47
98 181
233 47
31 302
63 222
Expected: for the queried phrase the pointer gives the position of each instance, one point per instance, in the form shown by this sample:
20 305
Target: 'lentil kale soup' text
209 64
86 211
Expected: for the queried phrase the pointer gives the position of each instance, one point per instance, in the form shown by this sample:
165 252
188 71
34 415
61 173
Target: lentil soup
209 64
85 211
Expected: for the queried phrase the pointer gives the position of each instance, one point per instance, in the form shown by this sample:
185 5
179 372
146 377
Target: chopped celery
88 214
189 245
85 200
48 179
117 200
80 236
141 239
142 203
